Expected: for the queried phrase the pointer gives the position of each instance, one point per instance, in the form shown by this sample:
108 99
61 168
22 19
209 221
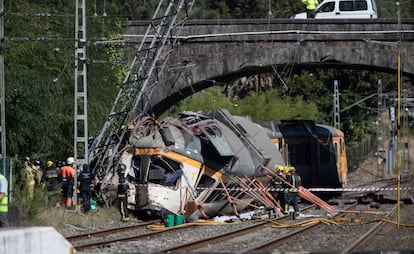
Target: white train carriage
190 164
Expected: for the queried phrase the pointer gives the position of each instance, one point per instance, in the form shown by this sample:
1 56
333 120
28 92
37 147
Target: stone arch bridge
213 52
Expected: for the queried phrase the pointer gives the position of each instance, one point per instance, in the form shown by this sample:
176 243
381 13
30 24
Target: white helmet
70 160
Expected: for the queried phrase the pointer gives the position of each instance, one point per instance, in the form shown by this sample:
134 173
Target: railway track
341 238
228 236
107 236
365 237
264 236
370 235
133 233
350 227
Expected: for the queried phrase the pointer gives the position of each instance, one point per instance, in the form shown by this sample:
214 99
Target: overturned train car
317 151
183 165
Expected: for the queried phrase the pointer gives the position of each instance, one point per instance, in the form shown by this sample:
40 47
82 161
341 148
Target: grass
31 210
67 221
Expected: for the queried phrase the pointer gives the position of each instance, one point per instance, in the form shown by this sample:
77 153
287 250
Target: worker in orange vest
67 175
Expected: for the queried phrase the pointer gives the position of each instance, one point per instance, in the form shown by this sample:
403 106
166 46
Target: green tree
259 106
39 60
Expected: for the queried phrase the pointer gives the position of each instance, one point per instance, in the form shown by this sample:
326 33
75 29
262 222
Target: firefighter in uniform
277 184
27 176
291 189
50 179
122 193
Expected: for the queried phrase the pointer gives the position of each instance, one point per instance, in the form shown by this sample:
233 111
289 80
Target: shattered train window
164 171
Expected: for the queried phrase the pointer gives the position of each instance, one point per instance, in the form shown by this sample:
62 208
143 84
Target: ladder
132 99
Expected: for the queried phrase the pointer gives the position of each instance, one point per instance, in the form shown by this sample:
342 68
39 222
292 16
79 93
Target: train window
164 171
134 173
232 186
217 195
214 196
206 181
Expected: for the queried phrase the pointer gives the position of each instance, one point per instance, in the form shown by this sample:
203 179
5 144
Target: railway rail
359 244
353 226
107 236
106 232
226 236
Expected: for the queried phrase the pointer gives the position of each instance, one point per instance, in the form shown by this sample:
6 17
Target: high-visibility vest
295 180
310 4
67 173
4 208
28 176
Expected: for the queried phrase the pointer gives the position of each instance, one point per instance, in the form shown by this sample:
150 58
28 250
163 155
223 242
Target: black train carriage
317 151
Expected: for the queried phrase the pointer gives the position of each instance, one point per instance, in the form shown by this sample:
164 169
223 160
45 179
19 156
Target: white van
343 9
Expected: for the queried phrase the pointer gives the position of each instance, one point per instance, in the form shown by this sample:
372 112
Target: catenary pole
81 94
399 117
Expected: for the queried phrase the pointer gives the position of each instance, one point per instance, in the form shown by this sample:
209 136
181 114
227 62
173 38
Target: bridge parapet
200 27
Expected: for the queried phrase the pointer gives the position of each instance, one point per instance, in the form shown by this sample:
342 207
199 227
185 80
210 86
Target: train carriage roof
298 128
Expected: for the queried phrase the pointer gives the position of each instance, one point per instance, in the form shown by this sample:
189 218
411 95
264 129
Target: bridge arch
229 51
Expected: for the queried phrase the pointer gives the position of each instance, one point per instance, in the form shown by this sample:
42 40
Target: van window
346 6
374 5
328 7
353 5
360 6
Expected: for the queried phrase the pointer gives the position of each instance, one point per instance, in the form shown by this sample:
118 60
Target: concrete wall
33 240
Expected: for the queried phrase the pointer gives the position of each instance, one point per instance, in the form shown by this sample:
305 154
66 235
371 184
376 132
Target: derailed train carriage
317 151
181 165
194 164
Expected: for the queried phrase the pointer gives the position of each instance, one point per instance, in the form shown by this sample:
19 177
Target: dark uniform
85 182
291 191
278 193
123 193
51 180
50 177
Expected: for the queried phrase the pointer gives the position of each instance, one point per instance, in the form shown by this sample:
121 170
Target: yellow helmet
49 163
286 170
279 168
289 170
